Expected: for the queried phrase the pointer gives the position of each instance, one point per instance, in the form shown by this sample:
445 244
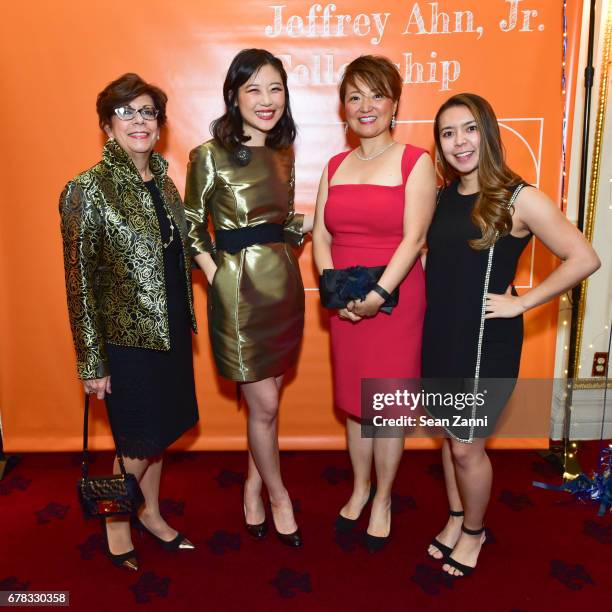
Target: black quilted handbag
102 496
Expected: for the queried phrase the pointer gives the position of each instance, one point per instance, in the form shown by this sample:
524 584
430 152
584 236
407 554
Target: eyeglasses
126 113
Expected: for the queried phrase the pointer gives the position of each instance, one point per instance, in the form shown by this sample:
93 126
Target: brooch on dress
242 155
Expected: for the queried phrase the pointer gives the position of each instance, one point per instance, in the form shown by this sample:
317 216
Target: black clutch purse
338 287
102 496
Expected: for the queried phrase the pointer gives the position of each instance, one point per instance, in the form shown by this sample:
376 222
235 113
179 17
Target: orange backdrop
56 56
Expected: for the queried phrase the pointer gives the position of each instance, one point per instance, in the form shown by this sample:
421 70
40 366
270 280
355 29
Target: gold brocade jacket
113 258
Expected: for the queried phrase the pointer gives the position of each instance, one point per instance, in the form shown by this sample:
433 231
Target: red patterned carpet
548 552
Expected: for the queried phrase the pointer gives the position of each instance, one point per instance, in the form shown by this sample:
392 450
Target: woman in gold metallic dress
256 296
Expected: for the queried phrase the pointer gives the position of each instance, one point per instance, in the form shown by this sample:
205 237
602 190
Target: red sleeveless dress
366 224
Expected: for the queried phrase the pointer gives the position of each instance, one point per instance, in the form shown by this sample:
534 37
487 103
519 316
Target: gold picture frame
591 205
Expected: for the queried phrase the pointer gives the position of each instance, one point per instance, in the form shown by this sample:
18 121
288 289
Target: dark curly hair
228 129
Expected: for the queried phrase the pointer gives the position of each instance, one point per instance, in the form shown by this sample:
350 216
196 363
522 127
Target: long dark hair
227 129
497 181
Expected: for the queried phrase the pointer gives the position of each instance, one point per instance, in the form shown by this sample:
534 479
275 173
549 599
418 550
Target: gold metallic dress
256 299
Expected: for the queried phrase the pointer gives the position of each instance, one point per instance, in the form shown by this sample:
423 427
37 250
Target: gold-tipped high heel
126 560
180 542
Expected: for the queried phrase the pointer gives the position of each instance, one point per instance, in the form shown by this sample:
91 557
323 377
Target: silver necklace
363 158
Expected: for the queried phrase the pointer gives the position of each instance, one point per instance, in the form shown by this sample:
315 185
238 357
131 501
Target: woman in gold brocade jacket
128 282
256 296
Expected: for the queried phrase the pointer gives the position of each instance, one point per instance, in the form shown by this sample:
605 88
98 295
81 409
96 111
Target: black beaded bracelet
382 292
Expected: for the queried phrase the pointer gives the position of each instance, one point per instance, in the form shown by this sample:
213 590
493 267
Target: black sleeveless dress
455 279
153 400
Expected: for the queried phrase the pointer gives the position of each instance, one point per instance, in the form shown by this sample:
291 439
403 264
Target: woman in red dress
374 207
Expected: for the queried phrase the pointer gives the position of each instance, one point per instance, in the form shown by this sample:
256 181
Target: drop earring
345 127
393 122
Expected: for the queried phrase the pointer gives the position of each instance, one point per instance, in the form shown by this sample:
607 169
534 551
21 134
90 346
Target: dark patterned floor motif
545 552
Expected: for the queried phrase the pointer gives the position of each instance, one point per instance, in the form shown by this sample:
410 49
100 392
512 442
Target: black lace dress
153 399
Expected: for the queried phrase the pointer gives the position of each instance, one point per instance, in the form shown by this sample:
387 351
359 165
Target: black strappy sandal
443 548
466 570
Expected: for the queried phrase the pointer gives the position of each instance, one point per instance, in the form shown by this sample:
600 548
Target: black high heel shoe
180 542
126 560
294 539
443 548
345 525
374 544
466 570
257 531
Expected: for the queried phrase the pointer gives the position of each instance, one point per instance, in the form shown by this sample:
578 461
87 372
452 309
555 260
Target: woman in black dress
473 328
128 282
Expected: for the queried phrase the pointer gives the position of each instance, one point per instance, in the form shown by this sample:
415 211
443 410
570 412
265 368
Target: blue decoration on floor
598 488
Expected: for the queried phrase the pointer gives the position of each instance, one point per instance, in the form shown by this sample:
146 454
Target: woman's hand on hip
97 386
504 305
368 307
